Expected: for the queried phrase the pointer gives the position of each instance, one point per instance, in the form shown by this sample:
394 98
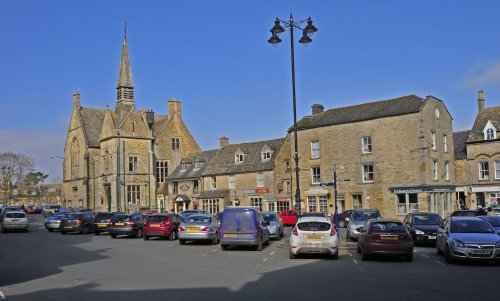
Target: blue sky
214 57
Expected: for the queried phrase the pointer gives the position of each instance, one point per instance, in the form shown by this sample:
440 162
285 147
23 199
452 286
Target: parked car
274 224
343 218
467 238
357 219
49 210
101 220
317 214
184 214
8 209
38 209
464 213
200 227
126 224
384 237
54 222
29 210
494 222
15 220
243 226
77 222
423 226
314 235
162 225
289 217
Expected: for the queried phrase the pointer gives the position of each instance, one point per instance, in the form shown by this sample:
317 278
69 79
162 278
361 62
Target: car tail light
295 231
370 237
78 222
205 229
332 231
182 229
110 223
129 224
256 232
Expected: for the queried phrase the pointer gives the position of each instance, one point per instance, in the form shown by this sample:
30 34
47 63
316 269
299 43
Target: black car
343 218
126 224
101 221
77 222
423 227
464 213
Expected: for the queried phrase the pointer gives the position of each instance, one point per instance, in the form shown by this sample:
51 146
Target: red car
162 225
289 217
385 237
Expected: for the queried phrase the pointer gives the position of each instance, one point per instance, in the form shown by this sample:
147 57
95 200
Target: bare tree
13 169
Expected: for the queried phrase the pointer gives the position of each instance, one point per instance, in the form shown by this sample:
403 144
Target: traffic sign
327 184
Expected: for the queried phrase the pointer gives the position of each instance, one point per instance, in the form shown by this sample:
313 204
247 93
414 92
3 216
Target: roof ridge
374 102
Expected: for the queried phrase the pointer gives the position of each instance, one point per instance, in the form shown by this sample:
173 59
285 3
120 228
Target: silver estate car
15 220
274 224
200 227
467 238
314 235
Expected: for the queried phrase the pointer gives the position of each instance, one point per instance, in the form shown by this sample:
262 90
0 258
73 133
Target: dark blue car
494 222
243 226
423 227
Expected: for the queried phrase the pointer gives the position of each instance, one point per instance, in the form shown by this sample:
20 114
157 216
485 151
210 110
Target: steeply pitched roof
459 139
125 73
190 170
392 107
92 120
224 162
487 114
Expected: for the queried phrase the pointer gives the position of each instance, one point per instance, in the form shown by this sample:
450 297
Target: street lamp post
307 31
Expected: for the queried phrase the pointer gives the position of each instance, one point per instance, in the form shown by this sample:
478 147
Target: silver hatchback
15 220
274 224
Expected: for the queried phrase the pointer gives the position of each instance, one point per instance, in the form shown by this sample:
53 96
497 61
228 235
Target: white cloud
483 74
38 144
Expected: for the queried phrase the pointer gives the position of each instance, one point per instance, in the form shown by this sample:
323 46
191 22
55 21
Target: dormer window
198 164
266 155
239 158
184 165
490 132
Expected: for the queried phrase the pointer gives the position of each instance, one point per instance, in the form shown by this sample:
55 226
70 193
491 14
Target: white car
15 220
314 235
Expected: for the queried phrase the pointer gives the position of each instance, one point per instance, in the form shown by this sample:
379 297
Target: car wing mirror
359 229
347 219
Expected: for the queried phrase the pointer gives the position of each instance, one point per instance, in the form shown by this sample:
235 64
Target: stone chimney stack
174 107
317 108
149 116
480 101
223 141
76 99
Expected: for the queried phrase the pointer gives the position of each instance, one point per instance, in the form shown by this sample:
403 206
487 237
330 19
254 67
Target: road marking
2 296
361 270
264 260
355 261
425 255
438 262
203 254
170 246
214 250
415 250
272 253
350 254
257 266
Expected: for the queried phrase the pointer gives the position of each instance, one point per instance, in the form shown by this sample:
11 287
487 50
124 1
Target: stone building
478 162
119 159
395 155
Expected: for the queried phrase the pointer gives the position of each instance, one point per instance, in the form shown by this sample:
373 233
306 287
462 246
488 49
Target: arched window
75 155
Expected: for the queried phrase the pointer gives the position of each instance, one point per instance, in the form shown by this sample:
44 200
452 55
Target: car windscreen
199 219
104 216
470 226
364 215
387 227
269 217
313 226
15 215
73 216
121 218
493 220
464 213
426 220
157 218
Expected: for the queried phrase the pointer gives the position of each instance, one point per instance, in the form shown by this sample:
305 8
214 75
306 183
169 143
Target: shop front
435 199
317 200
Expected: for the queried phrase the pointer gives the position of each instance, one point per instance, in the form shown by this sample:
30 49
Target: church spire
125 85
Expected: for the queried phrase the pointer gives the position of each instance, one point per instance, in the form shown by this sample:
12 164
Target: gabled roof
191 172
459 140
487 114
392 107
92 120
224 162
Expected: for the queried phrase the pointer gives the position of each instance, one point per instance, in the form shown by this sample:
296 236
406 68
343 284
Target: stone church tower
118 160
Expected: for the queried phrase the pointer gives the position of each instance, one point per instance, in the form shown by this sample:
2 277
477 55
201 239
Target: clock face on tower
436 112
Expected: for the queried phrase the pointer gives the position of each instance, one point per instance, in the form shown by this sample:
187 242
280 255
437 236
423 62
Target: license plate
155 225
14 220
480 252
119 224
195 229
101 225
68 227
389 237
54 223
230 235
432 237
314 237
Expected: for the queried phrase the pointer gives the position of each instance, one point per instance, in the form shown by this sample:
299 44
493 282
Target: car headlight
352 226
497 245
458 243
272 227
419 232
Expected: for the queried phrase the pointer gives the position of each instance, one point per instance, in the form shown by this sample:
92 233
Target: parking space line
257 266
355 261
272 253
361 269
350 254
168 246
439 262
214 250
264 260
426 256
2 296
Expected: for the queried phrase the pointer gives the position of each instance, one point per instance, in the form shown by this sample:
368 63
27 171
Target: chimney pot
480 101
317 108
223 141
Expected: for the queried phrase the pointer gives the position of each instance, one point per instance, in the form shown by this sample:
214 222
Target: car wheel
224 247
145 237
63 233
97 232
172 236
84 230
51 230
113 235
292 256
335 256
358 249
347 237
409 257
438 250
281 232
268 240
26 230
364 256
259 245
139 233
215 240
447 255
182 241
342 224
